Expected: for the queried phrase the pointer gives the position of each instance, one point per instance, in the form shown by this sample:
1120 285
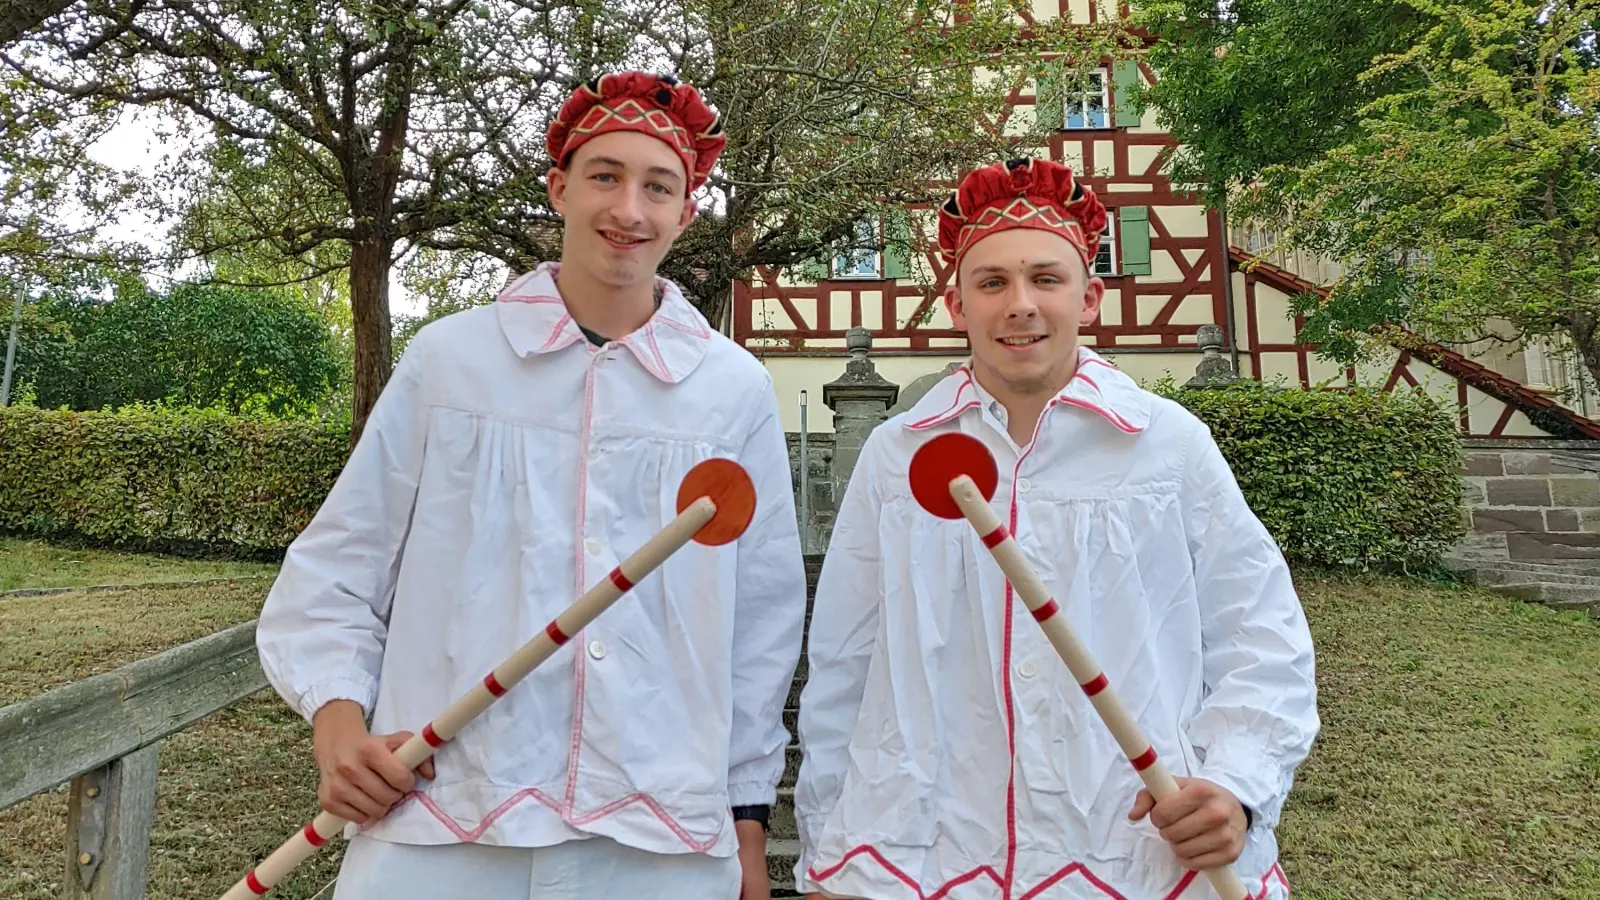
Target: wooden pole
1003 547
716 502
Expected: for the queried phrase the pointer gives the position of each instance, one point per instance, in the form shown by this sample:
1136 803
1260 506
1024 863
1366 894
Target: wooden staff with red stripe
716 502
954 476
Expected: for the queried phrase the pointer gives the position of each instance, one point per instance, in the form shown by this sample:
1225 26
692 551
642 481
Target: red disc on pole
727 485
944 459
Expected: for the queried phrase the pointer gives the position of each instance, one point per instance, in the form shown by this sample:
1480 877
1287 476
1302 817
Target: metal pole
805 482
11 351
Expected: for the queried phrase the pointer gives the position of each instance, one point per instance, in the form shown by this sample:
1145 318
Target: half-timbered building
1169 267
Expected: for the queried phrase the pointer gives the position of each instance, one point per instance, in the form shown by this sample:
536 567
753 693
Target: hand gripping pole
716 502
953 476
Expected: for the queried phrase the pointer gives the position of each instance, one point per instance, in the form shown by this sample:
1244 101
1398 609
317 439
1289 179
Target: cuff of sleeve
360 689
752 793
1249 776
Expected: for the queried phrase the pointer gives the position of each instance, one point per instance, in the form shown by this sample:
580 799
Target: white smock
948 751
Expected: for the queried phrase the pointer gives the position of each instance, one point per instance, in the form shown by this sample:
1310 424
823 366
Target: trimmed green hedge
1342 478
164 479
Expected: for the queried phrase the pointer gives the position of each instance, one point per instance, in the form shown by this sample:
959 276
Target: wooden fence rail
102 733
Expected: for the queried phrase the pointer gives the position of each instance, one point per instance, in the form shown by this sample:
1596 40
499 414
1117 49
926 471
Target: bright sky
135 145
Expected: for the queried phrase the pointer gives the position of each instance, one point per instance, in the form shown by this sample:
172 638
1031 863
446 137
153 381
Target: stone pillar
1214 370
860 400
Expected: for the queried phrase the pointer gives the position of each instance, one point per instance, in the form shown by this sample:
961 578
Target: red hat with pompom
1021 193
656 105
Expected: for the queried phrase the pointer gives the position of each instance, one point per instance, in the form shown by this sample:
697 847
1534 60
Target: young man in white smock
948 752
520 451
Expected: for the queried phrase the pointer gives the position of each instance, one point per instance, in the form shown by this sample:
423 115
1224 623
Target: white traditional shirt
508 466
949 752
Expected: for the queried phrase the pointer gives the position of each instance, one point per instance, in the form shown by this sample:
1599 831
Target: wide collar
1097 386
535 320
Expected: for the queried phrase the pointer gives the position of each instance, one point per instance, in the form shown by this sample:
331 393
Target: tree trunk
1585 330
369 308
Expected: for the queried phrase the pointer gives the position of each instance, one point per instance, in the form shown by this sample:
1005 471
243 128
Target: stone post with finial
860 400
1214 369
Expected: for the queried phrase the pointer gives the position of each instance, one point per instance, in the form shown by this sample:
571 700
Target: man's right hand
361 779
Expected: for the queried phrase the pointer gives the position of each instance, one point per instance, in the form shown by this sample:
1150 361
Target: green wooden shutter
896 250
1049 106
1125 83
1133 235
815 270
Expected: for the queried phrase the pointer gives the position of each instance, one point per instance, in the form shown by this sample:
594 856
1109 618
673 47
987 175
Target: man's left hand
1204 823
753 860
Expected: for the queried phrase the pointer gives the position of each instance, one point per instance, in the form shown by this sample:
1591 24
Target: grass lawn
1460 754
26 563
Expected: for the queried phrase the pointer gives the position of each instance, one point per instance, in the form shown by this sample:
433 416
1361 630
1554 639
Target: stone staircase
1562 584
783 838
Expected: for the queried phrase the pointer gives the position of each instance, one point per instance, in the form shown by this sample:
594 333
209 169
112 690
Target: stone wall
1531 499
819 484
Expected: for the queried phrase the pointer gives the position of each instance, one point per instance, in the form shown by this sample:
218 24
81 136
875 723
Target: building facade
1170 266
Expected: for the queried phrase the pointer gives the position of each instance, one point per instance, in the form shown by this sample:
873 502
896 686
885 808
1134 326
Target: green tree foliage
361 124
837 111
381 126
17 16
196 345
1458 176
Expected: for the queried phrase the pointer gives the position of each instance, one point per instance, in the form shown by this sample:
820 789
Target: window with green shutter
897 238
1049 105
1135 233
814 270
1126 80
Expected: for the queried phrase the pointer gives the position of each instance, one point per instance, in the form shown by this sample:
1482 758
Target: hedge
165 479
1340 478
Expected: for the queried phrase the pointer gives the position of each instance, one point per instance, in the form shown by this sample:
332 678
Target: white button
597 650
1022 485
593 546
594 452
1027 669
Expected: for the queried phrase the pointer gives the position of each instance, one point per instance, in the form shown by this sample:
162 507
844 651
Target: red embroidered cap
657 105
1021 193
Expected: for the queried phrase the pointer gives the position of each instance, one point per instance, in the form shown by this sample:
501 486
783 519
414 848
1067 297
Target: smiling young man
947 750
521 450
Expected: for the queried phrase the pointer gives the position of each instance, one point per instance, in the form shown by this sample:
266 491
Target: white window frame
1108 243
861 263
1075 98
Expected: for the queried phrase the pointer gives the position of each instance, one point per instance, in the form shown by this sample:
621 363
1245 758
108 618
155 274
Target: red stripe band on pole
1046 611
1144 760
493 684
621 580
255 885
1096 684
556 634
432 737
993 538
316 840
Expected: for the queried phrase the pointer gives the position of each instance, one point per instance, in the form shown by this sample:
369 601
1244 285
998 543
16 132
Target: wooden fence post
108 828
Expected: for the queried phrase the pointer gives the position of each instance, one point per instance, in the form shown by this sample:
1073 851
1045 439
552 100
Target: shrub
165 479
1341 478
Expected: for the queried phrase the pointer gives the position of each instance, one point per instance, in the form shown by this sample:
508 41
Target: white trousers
577 870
